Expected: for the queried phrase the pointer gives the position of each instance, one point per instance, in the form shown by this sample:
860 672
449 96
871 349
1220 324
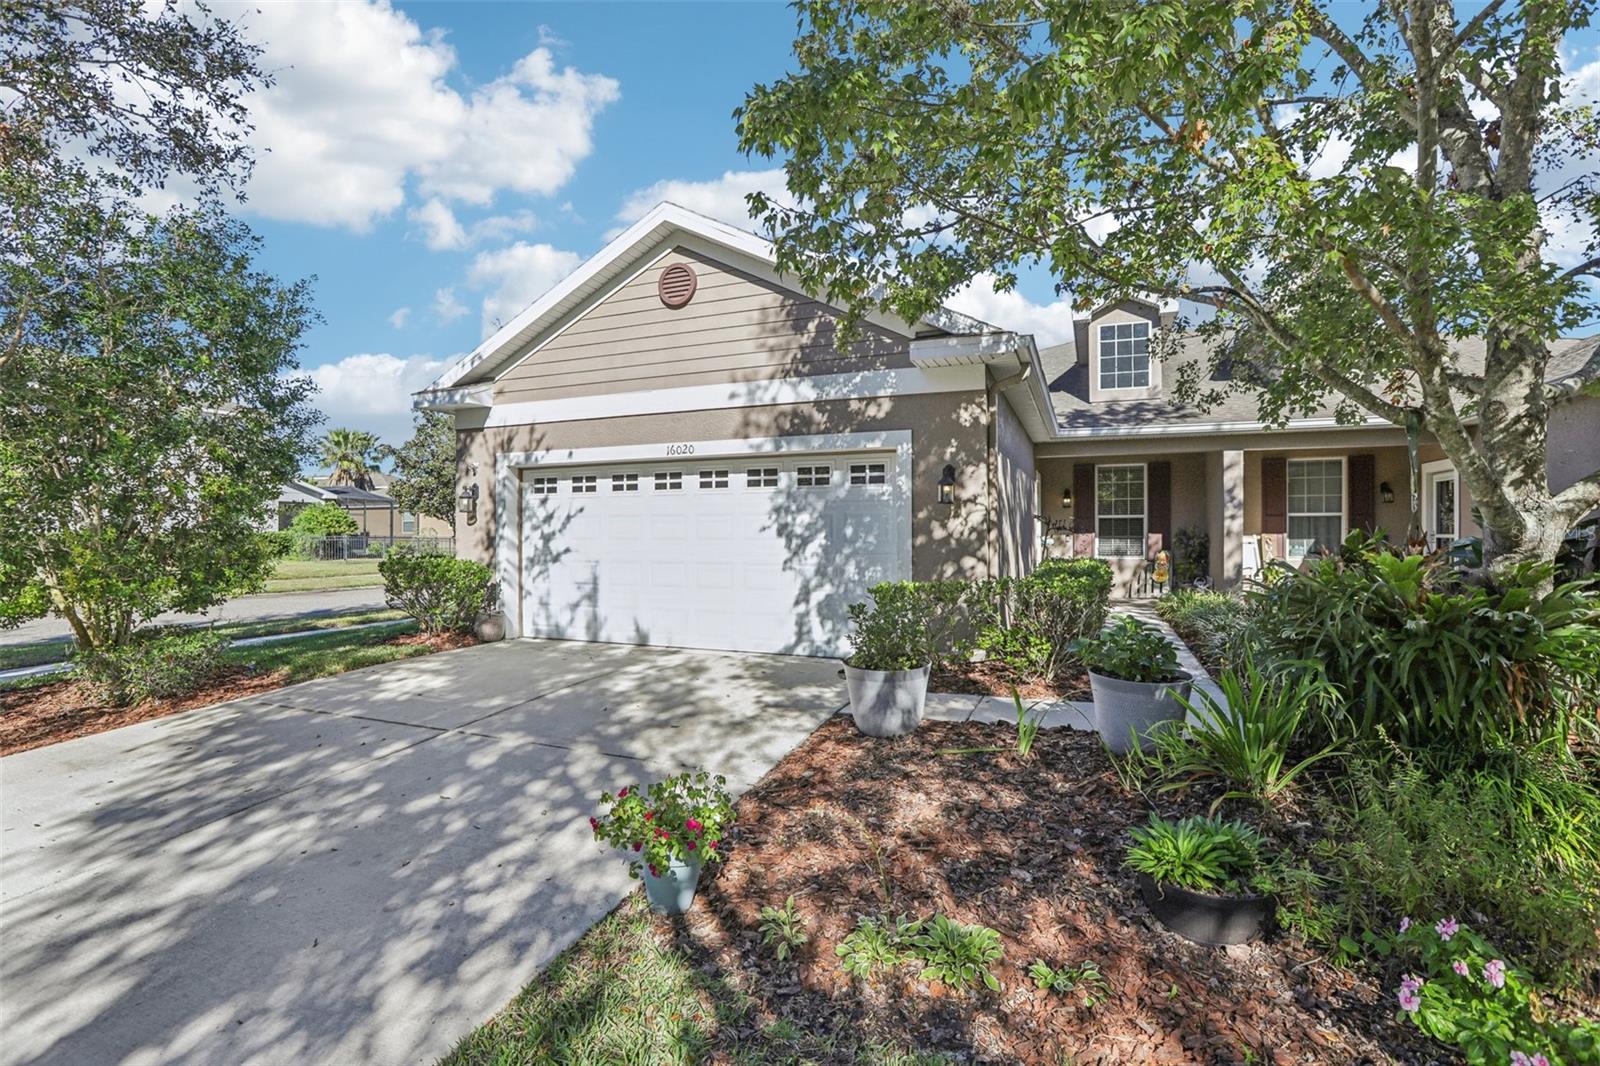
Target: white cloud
721 198
440 230
446 306
401 316
514 276
1049 323
372 391
362 103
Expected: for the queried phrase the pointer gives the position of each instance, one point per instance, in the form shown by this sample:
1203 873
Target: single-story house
376 513
668 448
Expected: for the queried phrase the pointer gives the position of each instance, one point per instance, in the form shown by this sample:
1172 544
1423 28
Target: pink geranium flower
1405 923
594 823
691 845
1460 966
1494 971
622 795
692 826
637 844
1447 928
1519 1058
1410 987
653 871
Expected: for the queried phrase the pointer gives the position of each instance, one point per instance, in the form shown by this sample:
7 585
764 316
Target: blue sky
438 165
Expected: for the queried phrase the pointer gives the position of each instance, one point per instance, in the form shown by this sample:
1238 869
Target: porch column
1225 516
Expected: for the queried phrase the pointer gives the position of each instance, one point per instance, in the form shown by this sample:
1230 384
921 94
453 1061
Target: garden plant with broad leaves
1395 209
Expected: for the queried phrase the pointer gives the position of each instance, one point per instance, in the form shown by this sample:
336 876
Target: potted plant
1134 675
1196 876
887 671
669 831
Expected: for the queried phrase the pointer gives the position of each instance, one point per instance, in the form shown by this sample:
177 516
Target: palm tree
351 456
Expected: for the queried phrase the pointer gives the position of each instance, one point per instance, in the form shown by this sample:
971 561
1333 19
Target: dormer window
1125 355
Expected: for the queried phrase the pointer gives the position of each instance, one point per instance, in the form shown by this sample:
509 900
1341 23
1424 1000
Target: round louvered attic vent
677 285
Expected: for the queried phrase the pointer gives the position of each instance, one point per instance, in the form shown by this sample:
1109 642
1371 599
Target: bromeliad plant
1461 992
1200 854
682 818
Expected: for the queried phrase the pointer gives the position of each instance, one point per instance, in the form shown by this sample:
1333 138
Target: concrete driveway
353 870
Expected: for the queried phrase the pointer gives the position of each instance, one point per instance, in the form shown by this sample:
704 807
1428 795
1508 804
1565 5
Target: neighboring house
375 513
668 448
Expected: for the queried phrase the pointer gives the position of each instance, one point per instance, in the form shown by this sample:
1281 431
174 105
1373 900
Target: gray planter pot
673 891
886 703
490 626
1122 708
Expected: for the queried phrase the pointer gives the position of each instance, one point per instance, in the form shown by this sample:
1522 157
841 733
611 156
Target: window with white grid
542 486
868 474
1125 355
669 480
624 482
1316 505
713 479
761 477
813 477
586 483
1119 509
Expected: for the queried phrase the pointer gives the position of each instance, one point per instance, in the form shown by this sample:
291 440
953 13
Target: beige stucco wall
1188 502
1017 497
947 540
736 328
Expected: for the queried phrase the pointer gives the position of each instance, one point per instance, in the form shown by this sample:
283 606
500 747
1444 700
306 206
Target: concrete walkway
267 606
358 869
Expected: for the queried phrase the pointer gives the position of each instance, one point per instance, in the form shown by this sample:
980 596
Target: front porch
1223 513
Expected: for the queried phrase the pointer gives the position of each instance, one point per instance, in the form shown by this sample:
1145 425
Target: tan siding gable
737 328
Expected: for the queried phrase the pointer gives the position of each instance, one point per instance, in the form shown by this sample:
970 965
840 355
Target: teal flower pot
673 891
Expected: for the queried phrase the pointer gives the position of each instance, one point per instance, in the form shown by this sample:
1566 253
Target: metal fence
365 546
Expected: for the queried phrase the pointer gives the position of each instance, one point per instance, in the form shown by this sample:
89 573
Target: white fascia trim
1203 429
462 399
865 385
509 465
969 350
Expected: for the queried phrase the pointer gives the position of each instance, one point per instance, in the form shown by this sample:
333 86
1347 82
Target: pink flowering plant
1456 988
683 817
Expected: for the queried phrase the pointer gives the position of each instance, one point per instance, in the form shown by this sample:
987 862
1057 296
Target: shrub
1430 662
1191 555
1030 622
1517 841
1245 738
442 593
1215 625
1200 854
1461 992
683 817
893 631
323 520
1131 651
156 664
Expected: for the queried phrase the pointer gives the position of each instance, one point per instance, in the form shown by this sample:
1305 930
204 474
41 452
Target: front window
408 522
1119 511
1125 355
1316 505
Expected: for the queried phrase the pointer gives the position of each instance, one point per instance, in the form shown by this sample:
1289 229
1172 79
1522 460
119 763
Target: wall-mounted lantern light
469 503
947 484
1386 492
1066 498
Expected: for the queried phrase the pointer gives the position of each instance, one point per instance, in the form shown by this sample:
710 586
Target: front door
1441 488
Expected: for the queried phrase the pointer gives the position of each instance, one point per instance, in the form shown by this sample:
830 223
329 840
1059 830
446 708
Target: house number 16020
680 449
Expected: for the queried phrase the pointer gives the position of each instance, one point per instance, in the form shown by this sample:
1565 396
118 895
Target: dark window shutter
1158 501
1362 472
1274 494
1083 497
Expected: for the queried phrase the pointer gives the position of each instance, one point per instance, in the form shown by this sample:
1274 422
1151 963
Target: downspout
992 389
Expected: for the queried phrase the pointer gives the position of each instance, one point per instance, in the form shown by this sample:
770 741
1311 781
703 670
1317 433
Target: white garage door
750 554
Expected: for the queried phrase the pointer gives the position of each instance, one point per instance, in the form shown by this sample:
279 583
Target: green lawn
311 575
55 651
328 653
624 994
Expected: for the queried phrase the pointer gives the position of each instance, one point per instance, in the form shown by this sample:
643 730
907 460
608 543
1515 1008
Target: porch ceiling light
1386 492
947 484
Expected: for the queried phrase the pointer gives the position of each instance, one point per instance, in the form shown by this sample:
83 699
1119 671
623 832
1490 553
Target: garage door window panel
761 477
814 476
669 480
624 482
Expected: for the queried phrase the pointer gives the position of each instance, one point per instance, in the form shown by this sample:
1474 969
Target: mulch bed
63 710
996 679
1034 849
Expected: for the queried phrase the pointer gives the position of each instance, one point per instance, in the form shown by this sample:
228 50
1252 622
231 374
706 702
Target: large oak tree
1363 203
